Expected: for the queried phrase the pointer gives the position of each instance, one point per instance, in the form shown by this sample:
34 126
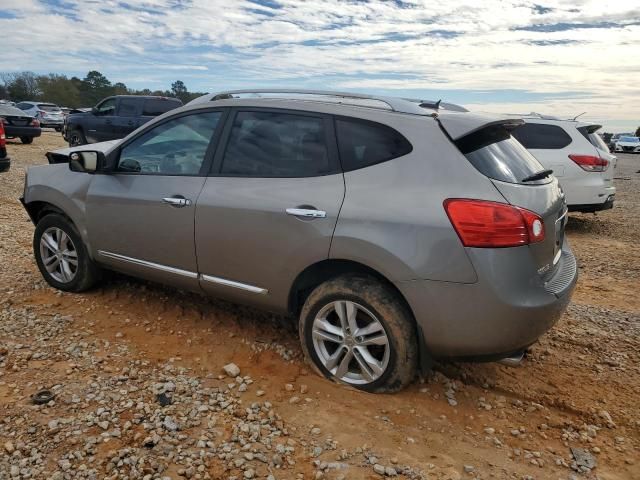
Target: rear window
157 106
497 155
9 110
362 143
542 136
49 107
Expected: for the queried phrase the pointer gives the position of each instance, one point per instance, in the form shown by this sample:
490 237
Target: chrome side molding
144 263
234 284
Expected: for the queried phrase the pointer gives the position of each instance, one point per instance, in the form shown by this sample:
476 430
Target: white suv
578 157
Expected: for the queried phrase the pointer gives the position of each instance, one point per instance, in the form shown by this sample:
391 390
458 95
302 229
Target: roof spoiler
458 125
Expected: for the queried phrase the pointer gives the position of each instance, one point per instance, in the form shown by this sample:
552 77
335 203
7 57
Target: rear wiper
538 175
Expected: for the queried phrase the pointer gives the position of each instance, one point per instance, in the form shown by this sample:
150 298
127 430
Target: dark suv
115 117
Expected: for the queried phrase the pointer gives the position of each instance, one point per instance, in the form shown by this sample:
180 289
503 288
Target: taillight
42 113
590 163
3 139
35 122
485 224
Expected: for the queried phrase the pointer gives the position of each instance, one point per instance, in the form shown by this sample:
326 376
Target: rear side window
595 139
269 144
129 107
497 155
362 143
542 136
157 106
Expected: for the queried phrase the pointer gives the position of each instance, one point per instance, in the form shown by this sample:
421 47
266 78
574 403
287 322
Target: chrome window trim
234 284
144 263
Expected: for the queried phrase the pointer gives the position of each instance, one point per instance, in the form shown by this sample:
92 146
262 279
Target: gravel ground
152 383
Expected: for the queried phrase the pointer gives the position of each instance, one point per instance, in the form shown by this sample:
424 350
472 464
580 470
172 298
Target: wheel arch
324 270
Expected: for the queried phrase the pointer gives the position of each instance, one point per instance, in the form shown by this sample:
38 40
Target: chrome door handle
177 201
305 212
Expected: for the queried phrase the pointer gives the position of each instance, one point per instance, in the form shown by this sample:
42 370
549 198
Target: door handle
306 212
177 202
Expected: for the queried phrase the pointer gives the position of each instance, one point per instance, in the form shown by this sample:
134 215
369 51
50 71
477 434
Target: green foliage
75 92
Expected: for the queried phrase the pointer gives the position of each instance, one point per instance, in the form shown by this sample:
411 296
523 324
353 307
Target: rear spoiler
460 125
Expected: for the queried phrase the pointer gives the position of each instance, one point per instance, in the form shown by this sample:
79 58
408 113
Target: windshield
49 107
629 139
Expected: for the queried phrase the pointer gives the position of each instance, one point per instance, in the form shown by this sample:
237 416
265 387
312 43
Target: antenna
576 117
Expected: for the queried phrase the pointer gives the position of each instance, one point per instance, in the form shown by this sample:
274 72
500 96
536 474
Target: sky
510 56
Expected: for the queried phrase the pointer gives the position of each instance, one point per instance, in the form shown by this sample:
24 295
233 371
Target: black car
115 117
5 161
17 124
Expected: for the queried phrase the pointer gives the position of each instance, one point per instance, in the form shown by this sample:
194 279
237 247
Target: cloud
540 49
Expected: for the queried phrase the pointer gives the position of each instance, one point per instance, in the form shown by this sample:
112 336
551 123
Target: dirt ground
115 355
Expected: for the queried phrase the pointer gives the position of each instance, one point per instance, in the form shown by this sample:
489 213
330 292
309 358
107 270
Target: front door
99 125
140 217
270 207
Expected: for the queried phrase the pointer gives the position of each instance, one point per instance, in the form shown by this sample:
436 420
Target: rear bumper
5 164
12 131
507 310
594 207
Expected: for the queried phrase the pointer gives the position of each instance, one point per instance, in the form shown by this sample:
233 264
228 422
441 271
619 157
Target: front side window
175 147
363 143
268 144
108 107
542 136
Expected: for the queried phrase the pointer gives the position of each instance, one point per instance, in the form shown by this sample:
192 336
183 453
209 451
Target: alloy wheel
350 342
59 255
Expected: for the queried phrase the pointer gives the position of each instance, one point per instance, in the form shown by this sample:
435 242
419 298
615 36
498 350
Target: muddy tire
355 330
61 255
76 138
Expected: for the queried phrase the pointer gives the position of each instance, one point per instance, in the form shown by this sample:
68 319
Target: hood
461 124
62 155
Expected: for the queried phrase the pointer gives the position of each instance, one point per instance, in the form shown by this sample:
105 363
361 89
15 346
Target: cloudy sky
556 57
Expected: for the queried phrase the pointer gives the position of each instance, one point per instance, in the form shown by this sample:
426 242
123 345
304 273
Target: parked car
17 124
578 157
627 144
394 233
48 114
115 117
5 160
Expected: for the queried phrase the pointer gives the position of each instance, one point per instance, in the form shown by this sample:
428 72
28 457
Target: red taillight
485 224
35 122
590 163
3 139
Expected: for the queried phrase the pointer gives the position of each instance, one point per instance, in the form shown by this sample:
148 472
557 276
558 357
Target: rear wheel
355 330
61 255
76 138
26 140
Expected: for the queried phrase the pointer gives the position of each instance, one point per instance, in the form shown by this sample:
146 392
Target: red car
5 161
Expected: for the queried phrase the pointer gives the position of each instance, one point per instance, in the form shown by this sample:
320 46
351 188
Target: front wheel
355 330
76 138
61 255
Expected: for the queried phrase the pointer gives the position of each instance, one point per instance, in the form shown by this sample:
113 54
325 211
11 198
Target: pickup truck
114 117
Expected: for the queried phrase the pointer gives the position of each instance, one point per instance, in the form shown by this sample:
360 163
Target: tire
26 140
58 129
84 275
378 312
76 138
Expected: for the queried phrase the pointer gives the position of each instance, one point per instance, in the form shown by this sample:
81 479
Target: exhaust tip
513 360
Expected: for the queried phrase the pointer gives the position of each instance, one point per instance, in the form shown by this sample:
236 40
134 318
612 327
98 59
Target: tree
120 88
179 90
59 89
21 86
95 86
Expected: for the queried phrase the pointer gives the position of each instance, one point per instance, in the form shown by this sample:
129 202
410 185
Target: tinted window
129 107
496 154
48 107
9 110
363 143
24 106
108 107
265 144
157 106
176 147
540 135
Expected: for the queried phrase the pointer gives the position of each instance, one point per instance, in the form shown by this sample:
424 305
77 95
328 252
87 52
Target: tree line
75 92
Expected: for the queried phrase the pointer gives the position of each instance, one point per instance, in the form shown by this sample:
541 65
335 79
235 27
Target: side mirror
86 162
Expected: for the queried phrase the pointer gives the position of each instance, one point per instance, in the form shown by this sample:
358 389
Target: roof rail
395 104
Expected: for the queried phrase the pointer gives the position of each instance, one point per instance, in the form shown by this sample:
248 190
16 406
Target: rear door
126 119
270 207
140 217
155 106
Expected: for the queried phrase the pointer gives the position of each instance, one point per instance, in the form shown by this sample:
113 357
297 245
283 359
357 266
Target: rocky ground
140 389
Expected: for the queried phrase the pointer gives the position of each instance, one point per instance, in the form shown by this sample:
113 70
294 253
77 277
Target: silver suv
395 231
